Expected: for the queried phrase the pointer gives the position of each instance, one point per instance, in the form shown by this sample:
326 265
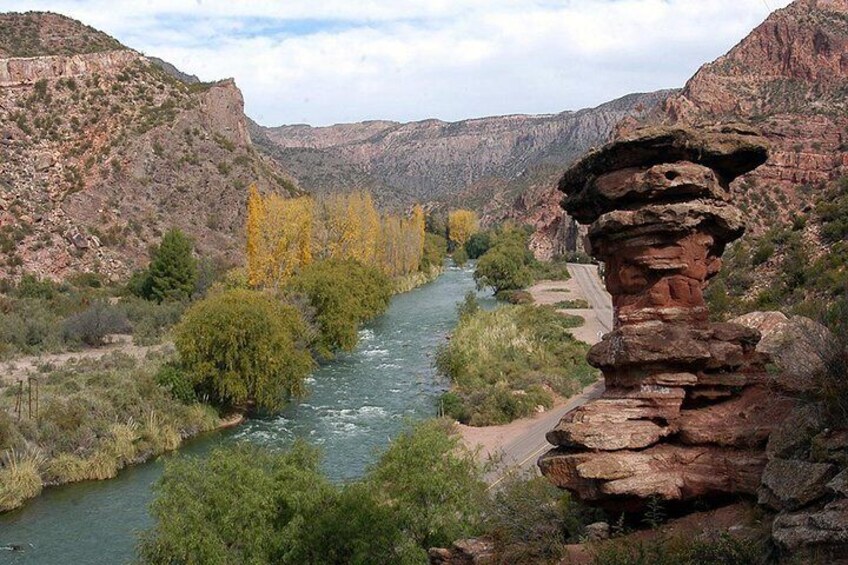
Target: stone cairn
686 411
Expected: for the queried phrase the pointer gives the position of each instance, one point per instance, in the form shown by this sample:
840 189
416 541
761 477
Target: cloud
337 60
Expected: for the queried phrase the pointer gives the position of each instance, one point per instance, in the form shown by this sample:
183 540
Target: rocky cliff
103 151
504 166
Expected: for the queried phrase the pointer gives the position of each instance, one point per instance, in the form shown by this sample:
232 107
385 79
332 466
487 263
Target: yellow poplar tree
462 224
255 251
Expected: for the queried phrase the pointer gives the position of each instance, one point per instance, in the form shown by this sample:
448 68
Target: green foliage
172 270
469 306
531 520
435 250
460 256
343 294
478 244
172 378
243 347
433 482
503 268
720 549
240 504
509 265
95 417
506 362
245 504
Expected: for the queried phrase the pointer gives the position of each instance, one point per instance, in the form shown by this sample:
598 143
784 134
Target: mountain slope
103 151
789 78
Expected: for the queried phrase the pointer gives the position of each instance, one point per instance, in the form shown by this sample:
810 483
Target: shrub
244 347
478 244
433 483
460 257
245 504
503 269
531 520
174 380
435 250
94 323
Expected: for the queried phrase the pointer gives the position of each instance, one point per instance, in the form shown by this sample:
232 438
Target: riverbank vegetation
505 363
238 346
88 420
245 504
507 265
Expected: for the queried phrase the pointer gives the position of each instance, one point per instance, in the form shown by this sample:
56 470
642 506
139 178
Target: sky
331 61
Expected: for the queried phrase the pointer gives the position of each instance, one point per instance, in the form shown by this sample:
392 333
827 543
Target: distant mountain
103 150
486 163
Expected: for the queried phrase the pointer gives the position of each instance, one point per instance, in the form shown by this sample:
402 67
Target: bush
531 520
173 379
503 269
435 250
93 324
460 257
433 483
244 348
343 294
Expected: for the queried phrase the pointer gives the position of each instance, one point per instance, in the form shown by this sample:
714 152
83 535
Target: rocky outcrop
687 411
27 71
473 551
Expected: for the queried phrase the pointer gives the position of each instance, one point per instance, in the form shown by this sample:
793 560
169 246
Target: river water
356 404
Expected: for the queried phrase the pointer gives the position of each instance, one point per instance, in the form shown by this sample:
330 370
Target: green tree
503 268
240 504
433 482
478 244
244 348
343 293
173 270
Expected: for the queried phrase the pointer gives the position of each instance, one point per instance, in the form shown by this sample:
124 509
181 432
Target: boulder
789 484
823 530
472 551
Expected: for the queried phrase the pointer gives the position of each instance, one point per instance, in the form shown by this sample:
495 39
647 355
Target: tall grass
19 478
95 418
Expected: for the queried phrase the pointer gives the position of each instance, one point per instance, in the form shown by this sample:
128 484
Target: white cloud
338 60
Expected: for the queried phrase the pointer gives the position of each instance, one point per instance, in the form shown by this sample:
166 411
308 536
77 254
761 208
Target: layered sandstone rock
687 410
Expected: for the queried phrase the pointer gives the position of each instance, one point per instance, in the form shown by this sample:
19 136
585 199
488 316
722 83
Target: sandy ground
22 367
496 441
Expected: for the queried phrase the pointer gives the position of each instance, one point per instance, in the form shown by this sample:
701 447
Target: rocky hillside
789 78
103 150
504 166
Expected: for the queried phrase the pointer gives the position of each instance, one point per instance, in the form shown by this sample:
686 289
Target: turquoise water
357 403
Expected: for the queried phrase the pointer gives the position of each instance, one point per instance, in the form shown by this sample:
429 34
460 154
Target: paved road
522 452
590 283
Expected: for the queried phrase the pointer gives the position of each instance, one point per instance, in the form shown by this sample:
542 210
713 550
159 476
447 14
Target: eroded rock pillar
685 412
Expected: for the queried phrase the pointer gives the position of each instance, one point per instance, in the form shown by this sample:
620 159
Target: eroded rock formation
686 412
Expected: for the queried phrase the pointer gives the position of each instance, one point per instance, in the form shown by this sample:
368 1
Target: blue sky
330 61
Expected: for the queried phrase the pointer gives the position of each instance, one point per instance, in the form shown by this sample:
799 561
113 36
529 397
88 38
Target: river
356 404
